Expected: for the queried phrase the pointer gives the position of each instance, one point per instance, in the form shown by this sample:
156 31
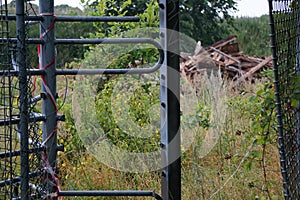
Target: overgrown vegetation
233 154
200 20
241 162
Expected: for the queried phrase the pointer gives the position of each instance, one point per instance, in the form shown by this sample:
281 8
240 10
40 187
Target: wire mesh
284 21
10 150
8 106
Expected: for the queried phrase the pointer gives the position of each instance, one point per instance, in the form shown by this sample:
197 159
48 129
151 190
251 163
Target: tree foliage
253 35
69 53
65 53
200 19
204 19
146 10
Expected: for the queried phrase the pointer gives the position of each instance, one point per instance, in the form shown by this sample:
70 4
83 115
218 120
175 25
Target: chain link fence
10 134
8 106
284 21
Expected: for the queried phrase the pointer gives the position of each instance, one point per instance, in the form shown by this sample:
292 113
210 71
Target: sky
247 8
252 8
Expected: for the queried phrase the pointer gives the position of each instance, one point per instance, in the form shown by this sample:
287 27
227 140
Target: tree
69 53
146 10
205 20
251 29
112 7
65 53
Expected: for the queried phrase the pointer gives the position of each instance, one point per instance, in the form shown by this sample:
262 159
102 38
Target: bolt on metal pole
23 84
47 63
170 104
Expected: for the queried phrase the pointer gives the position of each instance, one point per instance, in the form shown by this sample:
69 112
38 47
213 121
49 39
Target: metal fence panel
284 21
20 147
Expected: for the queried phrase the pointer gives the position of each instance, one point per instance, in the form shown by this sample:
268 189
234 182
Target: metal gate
28 140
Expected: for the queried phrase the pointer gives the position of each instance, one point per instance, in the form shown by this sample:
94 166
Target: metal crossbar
106 193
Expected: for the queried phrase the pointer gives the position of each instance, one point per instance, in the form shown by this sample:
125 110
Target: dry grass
222 162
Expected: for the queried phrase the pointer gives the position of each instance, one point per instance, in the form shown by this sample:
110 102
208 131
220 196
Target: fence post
23 83
49 109
298 73
170 104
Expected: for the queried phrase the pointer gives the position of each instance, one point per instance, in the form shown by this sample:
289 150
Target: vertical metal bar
278 104
10 94
170 105
298 111
23 126
47 62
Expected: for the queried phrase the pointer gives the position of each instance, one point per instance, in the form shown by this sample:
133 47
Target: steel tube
108 71
18 153
113 41
47 63
77 18
104 71
28 41
27 18
90 41
19 179
31 72
23 82
109 193
298 107
109 41
97 19
5 122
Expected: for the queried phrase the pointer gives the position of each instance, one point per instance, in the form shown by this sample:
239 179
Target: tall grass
222 162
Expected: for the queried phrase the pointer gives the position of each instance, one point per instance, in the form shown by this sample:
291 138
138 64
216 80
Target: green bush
139 101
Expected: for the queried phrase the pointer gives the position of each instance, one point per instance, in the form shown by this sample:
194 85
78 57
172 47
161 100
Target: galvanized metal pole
277 93
47 63
170 105
23 84
298 73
